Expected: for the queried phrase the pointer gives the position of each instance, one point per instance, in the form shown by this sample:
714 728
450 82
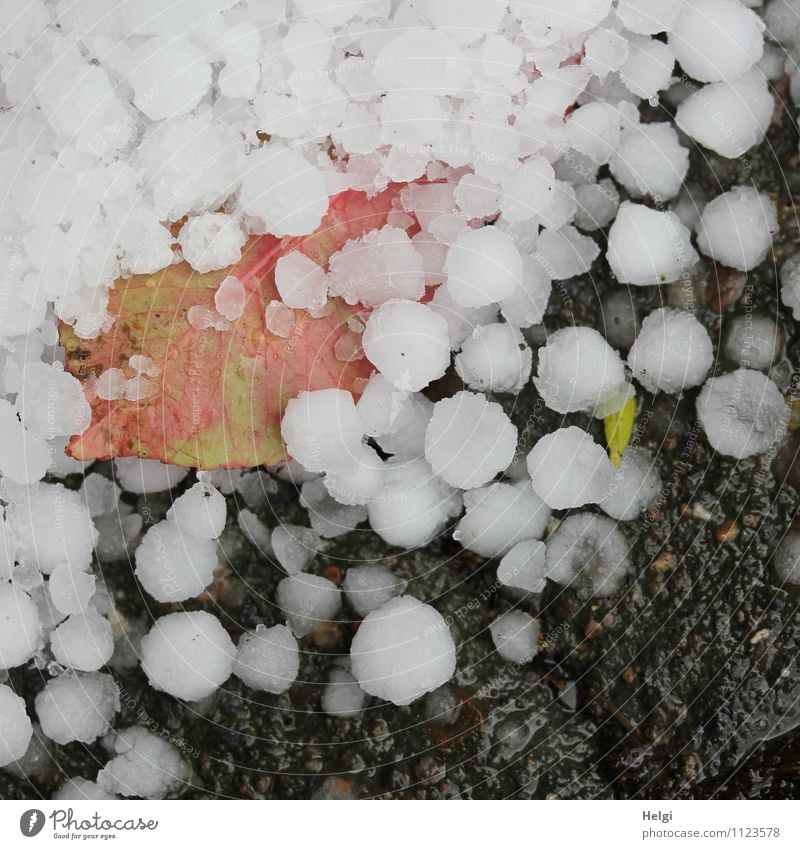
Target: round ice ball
495 358
500 515
736 227
569 469
307 601
267 659
83 641
403 650
590 553
172 565
786 559
20 627
408 343
188 655
15 726
322 429
672 352
77 707
200 511
469 440
754 341
515 635
484 266
368 587
743 413
578 370
144 765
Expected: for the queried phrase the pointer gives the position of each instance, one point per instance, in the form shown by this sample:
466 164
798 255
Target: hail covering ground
134 136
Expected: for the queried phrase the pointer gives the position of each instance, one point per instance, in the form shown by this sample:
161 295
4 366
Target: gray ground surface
684 685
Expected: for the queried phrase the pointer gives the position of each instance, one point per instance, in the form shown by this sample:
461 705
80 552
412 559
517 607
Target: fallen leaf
220 394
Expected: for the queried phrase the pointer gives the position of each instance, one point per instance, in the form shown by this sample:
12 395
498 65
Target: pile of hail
496 149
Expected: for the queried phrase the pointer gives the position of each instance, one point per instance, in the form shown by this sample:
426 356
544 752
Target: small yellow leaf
619 427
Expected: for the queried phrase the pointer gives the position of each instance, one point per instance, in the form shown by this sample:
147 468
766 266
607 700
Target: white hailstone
421 60
565 253
648 68
572 16
230 298
790 284
650 161
649 16
380 266
499 516
70 590
82 790
515 636
51 402
527 194
743 413
477 197
176 60
717 39
100 494
569 469
605 51
728 118
408 343
785 560
462 320
528 304
283 190
307 45
469 440
308 601
359 131
578 370
328 517
403 650
295 547
647 247
144 765
322 429
301 283
379 406
523 566
672 352
360 482
597 204
255 530
83 641
77 707
267 659
753 341
146 476
589 553
635 485
594 130
200 511
172 565
20 627
7 549
407 438
368 587
15 726
279 320
24 456
736 228
342 696
483 266
414 504
187 655
210 241
495 358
